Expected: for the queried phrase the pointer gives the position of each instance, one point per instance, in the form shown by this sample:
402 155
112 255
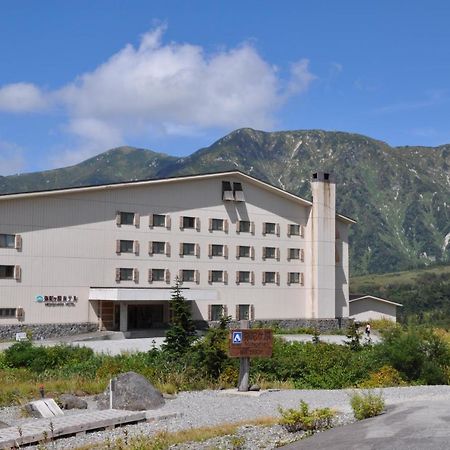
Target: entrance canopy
148 295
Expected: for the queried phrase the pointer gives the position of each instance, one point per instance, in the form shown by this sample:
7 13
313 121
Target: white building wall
69 245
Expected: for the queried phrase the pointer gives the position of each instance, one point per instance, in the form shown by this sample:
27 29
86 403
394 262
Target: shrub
386 376
303 419
366 404
418 354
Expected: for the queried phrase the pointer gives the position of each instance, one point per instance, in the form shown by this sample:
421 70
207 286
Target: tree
353 337
181 333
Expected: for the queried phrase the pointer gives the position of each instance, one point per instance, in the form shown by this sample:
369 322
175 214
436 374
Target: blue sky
80 77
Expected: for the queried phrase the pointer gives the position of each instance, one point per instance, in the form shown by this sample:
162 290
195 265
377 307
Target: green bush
303 419
366 404
419 354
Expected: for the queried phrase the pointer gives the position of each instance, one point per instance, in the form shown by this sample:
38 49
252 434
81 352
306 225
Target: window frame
294 253
157 245
4 315
217 312
214 223
267 230
270 256
294 277
5 238
296 227
126 250
185 272
126 270
127 215
248 224
240 255
157 270
218 279
5 269
188 249
186 223
242 278
244 312
159 217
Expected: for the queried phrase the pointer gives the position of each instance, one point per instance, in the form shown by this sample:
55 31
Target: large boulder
69 401
132 392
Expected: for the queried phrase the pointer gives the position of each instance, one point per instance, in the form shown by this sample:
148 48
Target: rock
132 392
46 407
69 401
4 425
254 388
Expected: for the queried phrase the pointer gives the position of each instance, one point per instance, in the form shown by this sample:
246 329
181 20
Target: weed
302 419
366 404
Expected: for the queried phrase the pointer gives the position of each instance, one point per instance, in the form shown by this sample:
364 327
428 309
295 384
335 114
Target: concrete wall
69 245
370 309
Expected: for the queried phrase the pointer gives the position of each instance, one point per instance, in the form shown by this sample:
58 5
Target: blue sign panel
237 337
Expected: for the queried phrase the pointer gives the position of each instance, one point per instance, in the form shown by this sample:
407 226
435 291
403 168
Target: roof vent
227 191
238 192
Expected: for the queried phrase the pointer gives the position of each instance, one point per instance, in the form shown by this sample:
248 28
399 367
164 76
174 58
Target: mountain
400 196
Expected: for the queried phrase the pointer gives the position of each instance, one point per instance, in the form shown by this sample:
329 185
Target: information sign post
244 344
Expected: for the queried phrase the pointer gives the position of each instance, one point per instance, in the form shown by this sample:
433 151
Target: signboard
57 300
250 343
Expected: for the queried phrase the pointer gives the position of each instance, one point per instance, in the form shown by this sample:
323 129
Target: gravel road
208 408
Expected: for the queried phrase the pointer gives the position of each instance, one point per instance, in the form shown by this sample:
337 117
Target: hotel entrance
143 317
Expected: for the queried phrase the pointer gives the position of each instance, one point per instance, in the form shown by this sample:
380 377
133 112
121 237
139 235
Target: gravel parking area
209 408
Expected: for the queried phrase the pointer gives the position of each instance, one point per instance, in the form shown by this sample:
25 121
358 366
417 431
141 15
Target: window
216 312
158 274
269 277
216 276
295 278
243 251
269 228
158 247
243 277
294 253
7 240
217 250
7 313
269 252
188 222
293 229
243 312
159 220
188 275
217 225
126 218
6 271
126 246
244 226
188 249
125 274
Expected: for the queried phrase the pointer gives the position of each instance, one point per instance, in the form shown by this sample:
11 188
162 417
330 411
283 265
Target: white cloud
11 158
170 88
22 97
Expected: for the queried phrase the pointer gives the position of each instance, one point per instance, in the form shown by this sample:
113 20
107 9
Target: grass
359 283
164 439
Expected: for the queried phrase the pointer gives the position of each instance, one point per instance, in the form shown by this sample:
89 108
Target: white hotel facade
107 256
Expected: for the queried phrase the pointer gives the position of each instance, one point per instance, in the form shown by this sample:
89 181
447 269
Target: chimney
323 290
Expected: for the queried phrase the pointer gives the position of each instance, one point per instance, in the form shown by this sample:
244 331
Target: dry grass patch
164 439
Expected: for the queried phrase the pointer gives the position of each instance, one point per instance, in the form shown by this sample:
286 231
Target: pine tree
181 332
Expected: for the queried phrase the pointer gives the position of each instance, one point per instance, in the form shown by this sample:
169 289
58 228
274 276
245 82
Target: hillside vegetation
399 195
425 294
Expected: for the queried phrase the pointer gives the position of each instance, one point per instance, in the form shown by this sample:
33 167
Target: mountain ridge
398 195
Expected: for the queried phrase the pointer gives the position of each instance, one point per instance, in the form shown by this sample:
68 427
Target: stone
132 392
45 408
254 388
4 425
69 401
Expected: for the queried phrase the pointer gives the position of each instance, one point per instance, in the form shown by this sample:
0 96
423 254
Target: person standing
368 330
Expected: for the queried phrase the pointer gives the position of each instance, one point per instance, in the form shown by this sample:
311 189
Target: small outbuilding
364 308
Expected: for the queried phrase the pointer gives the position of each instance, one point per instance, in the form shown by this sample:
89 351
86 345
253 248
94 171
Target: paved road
414 425
328 338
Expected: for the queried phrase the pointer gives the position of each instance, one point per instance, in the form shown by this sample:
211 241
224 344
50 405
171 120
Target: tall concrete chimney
323 270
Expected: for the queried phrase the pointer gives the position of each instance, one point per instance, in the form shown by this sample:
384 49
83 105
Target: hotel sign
57 300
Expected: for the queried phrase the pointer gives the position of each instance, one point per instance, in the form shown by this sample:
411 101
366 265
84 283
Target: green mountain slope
399 196
424 294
